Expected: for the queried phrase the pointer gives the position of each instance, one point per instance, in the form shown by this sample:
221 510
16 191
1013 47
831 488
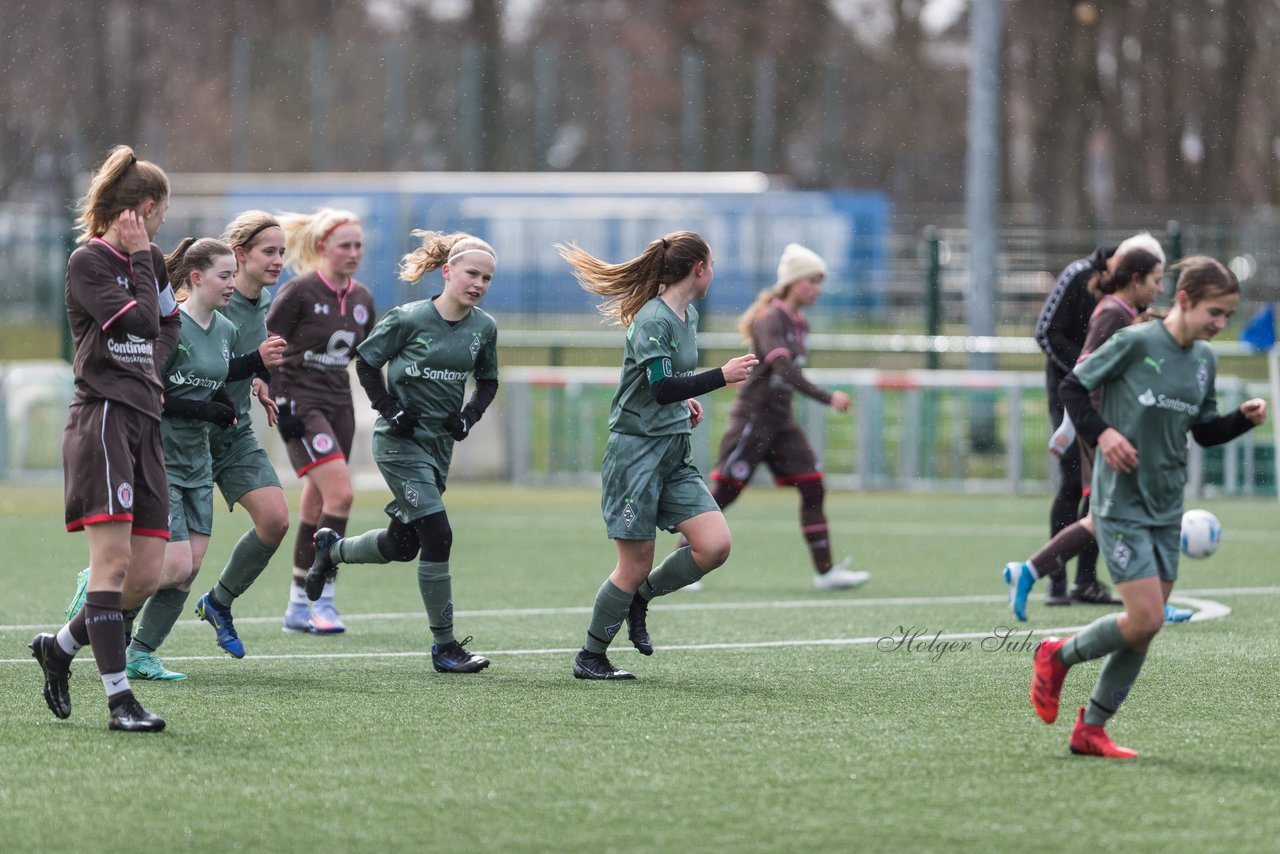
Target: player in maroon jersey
761 426
323 314
125 322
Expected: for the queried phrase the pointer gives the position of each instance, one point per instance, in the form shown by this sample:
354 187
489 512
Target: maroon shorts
781 445
328 437
113 469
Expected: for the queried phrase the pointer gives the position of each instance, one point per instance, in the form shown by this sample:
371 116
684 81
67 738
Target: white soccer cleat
840 577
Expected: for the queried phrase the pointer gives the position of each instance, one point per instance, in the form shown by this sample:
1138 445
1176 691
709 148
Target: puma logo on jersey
1156 364
425 342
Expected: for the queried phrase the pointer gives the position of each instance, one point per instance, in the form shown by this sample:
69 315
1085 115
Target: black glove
401 420
287 421
217 414
459 424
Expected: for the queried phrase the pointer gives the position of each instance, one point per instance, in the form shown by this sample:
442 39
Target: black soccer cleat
322 568
130 716
1057 595
1093 593
636 628
56 691
452 658
596 665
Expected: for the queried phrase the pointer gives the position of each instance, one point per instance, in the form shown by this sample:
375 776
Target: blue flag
1260 334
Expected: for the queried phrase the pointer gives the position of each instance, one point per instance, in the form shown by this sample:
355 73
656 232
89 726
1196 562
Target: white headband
465 251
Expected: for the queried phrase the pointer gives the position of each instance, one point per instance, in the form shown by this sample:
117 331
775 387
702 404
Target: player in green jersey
648 477
195 403
428 348
241 469
1157 382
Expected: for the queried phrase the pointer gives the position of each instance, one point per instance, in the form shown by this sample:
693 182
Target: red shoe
1046 679
1089 740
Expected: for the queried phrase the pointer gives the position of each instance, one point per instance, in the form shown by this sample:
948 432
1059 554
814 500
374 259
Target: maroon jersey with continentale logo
124 321
779 339
322 328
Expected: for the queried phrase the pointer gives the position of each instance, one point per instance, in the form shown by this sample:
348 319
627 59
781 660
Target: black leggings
429 538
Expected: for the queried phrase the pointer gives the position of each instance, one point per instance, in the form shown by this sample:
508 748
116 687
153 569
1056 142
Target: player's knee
399 545
1146 623
273 527
339 501
435 537
712 552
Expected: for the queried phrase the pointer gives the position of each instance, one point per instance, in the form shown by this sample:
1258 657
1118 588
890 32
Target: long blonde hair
122 182
747 320
626 287
303 234
436 250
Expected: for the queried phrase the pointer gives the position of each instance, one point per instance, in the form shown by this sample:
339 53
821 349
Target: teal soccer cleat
1020 580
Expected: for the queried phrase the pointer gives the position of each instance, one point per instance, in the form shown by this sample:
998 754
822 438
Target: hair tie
664 243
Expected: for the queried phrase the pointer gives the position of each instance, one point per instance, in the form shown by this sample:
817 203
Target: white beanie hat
798 263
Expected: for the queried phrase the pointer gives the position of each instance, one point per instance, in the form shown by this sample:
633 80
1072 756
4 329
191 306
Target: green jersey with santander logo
1153 391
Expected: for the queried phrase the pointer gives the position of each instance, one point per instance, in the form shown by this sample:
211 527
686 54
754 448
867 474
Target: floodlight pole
982 193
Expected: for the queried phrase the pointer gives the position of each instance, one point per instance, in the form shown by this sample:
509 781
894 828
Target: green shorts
240 466
415 480
1139 550
190 511
649 482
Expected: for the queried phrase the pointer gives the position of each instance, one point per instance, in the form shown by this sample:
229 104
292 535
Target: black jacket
1064 320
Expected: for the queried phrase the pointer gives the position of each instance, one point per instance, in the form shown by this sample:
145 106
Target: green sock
1099 638
156 620
362 548
436 586
611 608
1119 672
249 557
678 570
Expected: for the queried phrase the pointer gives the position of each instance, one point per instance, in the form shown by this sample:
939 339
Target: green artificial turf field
773 717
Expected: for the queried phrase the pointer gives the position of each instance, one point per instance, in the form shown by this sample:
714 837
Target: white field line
1206 610
830 602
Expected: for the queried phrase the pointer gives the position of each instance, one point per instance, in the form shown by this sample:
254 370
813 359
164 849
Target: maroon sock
104 620
1065 545
304 549
813 523
79 631
336 523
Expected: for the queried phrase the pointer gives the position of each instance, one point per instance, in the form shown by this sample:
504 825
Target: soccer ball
1201 533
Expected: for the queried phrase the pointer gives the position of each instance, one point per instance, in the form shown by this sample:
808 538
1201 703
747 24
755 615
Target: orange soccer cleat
1089 740
1046 679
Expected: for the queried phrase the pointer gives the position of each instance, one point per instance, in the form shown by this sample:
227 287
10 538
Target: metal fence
911 430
